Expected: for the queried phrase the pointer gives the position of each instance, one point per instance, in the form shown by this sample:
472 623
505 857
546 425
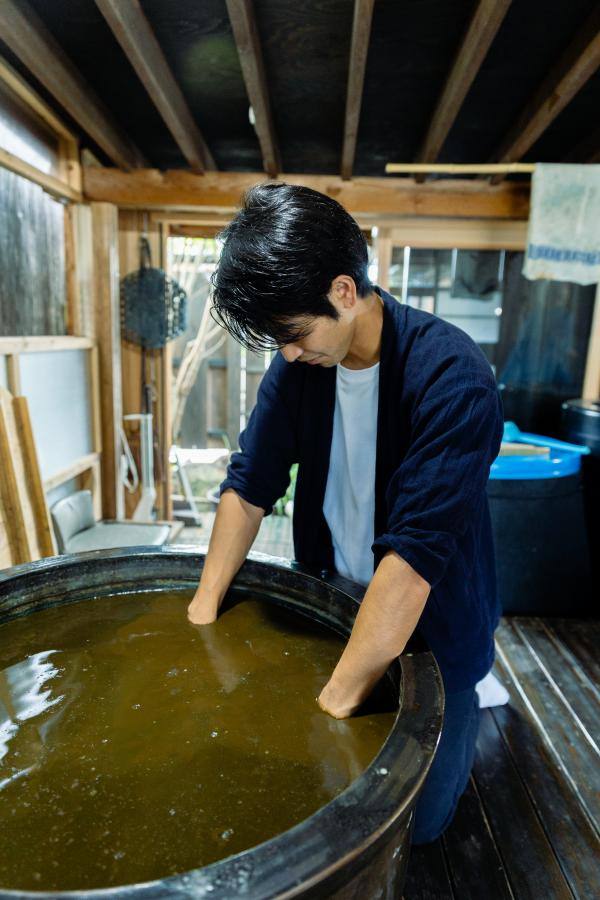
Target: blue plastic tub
536 505
564 458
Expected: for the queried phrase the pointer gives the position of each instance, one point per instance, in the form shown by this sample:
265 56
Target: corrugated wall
32 259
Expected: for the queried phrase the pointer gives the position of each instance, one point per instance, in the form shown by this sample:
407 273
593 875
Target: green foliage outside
279 508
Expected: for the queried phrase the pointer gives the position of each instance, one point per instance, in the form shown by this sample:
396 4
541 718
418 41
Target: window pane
25 136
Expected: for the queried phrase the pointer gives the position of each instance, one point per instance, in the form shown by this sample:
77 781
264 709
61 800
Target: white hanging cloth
563 241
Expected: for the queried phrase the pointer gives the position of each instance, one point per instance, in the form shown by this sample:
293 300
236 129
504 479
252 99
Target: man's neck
365 349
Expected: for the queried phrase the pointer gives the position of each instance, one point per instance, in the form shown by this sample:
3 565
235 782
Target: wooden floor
528 825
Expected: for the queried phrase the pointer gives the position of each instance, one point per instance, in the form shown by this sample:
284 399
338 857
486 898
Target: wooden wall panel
32 259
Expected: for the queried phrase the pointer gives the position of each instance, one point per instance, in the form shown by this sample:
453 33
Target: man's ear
343 292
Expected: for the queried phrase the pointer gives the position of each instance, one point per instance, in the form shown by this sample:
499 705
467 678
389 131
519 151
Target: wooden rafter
483 27
149 188
132 30
30 41
576 66
21 89
359 48
245 32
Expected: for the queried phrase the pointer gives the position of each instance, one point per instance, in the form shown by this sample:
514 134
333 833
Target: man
394 418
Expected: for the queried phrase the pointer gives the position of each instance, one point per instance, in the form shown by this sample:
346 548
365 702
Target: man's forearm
386 619
236 526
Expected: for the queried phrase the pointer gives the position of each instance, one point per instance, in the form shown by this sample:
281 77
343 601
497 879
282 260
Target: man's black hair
280 255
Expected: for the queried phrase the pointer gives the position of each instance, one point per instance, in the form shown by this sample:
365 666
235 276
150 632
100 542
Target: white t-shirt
349 505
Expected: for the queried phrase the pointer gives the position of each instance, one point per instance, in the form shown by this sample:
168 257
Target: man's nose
291 352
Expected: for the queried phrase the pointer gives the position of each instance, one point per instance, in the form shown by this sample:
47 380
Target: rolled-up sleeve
433 495
260 471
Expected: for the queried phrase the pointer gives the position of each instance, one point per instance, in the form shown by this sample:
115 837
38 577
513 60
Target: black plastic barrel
581 424
355 846
542 558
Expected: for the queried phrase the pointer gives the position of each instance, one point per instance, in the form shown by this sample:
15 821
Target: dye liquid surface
134 745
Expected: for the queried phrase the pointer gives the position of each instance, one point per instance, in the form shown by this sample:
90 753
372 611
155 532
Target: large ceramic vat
355 846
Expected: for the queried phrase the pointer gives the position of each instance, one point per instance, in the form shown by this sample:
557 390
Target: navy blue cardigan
438 431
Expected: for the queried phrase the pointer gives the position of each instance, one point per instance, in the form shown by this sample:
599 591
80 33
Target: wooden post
94 480
79 270
591 381
130 223
91 480
73 319
233 390
105 228
166 391
84 266
94 365
81 317
384 258
71 163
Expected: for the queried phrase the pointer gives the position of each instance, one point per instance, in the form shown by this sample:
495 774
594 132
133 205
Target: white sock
491 692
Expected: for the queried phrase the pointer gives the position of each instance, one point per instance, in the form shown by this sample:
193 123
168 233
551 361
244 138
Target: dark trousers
451 767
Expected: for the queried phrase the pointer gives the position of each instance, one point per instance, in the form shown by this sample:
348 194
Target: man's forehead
301 326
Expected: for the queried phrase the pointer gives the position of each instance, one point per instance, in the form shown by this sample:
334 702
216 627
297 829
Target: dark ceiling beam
359 48
587 151
483 27
245 32
132 30
27 37
577 64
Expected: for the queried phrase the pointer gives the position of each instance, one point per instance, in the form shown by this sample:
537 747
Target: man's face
326 344
328 340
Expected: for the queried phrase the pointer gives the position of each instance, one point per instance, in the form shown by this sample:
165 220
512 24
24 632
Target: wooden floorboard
582 638
428 877
573 838
579 694
471 852
530 861
564 734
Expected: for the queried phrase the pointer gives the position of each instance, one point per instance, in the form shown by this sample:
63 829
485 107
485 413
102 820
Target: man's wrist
209 594
337 701
204 607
